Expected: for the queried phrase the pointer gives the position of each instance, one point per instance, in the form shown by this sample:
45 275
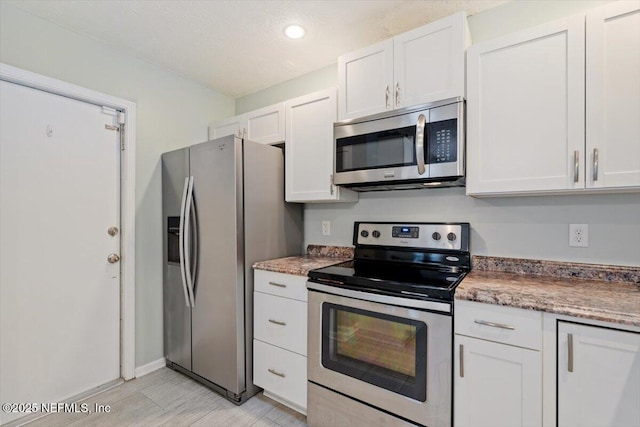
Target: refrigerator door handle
194 246
181 239
187 242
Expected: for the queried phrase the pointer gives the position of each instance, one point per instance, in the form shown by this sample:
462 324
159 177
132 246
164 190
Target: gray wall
171 112
520 227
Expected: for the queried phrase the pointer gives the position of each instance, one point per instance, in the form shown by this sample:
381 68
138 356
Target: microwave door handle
422 120
181 241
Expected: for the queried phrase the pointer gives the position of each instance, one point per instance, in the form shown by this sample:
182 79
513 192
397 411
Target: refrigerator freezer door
177 315
218 316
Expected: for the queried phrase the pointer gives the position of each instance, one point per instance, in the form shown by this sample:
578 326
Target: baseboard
150 367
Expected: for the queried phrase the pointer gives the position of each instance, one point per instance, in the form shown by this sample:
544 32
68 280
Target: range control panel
452 236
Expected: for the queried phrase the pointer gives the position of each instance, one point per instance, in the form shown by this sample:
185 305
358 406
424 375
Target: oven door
394 358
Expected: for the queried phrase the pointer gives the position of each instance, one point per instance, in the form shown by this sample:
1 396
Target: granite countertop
316 257
606 293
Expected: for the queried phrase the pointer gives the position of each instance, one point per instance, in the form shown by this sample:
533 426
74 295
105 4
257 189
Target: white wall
172 112
527 227
312 82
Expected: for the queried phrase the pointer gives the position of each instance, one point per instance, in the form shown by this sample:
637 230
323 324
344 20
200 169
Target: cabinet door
598 376
309 149
525 109
613 95
496 385
266 125
365 81
429 62
232 126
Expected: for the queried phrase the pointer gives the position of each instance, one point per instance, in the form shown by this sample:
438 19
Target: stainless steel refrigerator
223 209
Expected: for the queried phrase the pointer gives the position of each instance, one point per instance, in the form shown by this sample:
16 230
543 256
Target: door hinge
121 132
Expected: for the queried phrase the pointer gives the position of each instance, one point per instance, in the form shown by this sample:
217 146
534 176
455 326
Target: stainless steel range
381 327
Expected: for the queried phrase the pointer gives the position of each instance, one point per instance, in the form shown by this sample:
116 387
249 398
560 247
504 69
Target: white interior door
59 296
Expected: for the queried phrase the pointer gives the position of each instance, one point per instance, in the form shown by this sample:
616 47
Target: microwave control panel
443 141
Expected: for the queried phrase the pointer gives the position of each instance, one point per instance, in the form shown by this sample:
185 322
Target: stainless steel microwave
416 147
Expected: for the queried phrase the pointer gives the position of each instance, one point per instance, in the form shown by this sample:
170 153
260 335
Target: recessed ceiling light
294 31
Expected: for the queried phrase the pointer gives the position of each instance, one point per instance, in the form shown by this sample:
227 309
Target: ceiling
237 47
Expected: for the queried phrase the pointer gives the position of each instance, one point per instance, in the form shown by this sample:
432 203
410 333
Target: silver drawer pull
461 361
277 322
274 372
495 325
280 285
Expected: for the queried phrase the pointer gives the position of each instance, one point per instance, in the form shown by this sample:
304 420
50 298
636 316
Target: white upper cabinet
264 125
428 62
613 95
527 99
309 149
231 126
422 65
365 81
525 110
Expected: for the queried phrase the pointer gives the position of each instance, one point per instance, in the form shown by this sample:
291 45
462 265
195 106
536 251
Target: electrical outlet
579 235
326 228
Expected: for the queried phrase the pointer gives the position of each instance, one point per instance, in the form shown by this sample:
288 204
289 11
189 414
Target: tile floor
167 398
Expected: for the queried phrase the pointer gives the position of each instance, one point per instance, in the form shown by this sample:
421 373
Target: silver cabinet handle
461 361
331 184
576 166
386 97
570 353
274 372
278 322
595 164
397 94
422 120
280 285
495 325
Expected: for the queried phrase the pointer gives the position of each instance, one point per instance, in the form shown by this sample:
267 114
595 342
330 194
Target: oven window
376 150
383 350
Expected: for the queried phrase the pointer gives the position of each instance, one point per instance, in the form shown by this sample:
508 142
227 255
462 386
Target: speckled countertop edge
608 273
317 257
597 292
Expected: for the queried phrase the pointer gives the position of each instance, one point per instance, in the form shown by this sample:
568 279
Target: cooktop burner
416 260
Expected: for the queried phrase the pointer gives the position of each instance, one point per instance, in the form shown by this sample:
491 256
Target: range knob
451 237
364 233
436 236
375 234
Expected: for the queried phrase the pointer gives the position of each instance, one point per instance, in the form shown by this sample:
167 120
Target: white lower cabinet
280 337
516 367
281 373
496 383
598 374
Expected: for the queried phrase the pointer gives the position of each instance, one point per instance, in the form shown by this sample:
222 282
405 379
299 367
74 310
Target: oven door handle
441 307
422 120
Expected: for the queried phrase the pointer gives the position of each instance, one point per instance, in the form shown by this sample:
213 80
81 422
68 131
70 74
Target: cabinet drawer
497 323
280 321
280 372
280 284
